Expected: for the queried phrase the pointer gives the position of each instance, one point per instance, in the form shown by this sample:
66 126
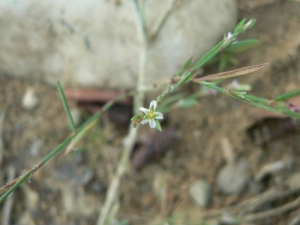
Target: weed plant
224 51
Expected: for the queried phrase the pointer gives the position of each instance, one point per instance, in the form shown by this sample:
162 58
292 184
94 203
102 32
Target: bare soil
71 190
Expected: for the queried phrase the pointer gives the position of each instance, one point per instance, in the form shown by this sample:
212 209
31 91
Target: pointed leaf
287 95
241 46
158 127
232 73
66 106
185 66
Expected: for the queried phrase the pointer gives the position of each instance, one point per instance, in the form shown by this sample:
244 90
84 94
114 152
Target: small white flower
229 35
151 115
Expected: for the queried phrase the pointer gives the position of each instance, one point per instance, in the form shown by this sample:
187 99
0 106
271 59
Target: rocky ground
230 161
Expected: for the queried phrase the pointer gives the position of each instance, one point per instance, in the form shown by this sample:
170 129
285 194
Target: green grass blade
240 24
184 67
30 172
208 56
287 95
66 106
241 46
83 128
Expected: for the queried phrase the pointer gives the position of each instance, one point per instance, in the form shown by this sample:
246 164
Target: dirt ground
71 190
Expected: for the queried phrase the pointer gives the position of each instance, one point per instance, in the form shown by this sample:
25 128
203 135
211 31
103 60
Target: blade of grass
79 136
240 24
208 56
287 95
66 106
6 190
241 46
23 178
185 66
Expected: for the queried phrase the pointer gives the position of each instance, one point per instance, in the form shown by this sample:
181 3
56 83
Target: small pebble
29 100
200 192
293 181
36 146
76 115
25 219
31 198
233 177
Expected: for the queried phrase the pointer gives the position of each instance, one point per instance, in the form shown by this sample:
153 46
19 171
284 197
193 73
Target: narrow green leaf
66 106
158 127
170 100
240 24
287 95
223 63
257 99
183 80
188 102
253 100
241 46
208 56
185 66
28 174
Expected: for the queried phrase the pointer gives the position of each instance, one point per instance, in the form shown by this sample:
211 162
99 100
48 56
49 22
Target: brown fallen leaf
232 73
94 95
92 100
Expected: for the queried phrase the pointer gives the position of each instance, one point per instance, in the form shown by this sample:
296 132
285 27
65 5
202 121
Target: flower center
151 114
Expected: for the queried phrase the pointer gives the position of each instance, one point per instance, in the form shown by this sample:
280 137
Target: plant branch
113 189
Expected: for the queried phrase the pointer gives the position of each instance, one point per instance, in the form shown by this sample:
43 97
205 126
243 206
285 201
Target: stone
200 192
293 182
96 44
233 177
29 100
31 198
26 219
36 146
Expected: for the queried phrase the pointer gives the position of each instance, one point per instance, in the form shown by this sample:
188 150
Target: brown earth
71 190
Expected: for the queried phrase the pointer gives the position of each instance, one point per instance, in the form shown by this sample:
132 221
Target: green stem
66 106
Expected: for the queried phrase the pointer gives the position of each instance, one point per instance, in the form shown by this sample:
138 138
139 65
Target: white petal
144 121
152 123
159 116
153 104
144 110
229 35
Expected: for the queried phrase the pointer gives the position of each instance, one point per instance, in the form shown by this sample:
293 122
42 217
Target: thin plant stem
113 189
253 100
6 190
66 106
8 205
17 182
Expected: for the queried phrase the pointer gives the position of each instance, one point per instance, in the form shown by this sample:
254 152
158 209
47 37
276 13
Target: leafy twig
113 188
